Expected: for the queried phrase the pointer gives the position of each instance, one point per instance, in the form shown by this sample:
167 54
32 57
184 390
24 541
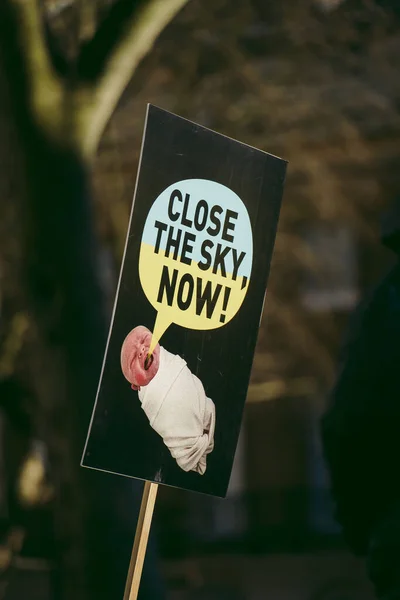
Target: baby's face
137 366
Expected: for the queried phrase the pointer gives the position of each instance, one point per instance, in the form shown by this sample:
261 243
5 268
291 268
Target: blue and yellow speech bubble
196 256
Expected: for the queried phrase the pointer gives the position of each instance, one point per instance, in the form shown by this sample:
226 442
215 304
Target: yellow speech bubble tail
160 328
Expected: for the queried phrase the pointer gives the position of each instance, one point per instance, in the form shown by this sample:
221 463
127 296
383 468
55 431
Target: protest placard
188 306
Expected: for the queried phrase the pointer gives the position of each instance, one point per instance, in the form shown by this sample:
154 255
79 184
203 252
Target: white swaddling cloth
180 412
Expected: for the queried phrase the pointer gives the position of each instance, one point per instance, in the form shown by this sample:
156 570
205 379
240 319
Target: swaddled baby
173 399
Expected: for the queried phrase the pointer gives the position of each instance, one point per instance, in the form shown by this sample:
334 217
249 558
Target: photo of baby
173 399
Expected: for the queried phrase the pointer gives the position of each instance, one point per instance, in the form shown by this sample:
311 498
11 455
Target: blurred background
313 81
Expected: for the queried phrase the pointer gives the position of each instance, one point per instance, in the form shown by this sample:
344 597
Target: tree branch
117 49
45 88
87 20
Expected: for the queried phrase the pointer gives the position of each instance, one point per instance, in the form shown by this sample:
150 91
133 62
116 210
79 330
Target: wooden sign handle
141 539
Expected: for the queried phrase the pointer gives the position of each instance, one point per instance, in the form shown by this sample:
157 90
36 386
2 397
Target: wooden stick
141 539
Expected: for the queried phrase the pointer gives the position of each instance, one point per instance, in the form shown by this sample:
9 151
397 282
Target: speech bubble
196 256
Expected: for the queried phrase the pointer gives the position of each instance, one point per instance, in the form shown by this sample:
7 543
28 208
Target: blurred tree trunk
57 123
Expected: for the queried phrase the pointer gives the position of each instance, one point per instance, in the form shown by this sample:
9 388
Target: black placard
199 244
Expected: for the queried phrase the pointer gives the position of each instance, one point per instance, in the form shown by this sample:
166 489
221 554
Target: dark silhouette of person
361 428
